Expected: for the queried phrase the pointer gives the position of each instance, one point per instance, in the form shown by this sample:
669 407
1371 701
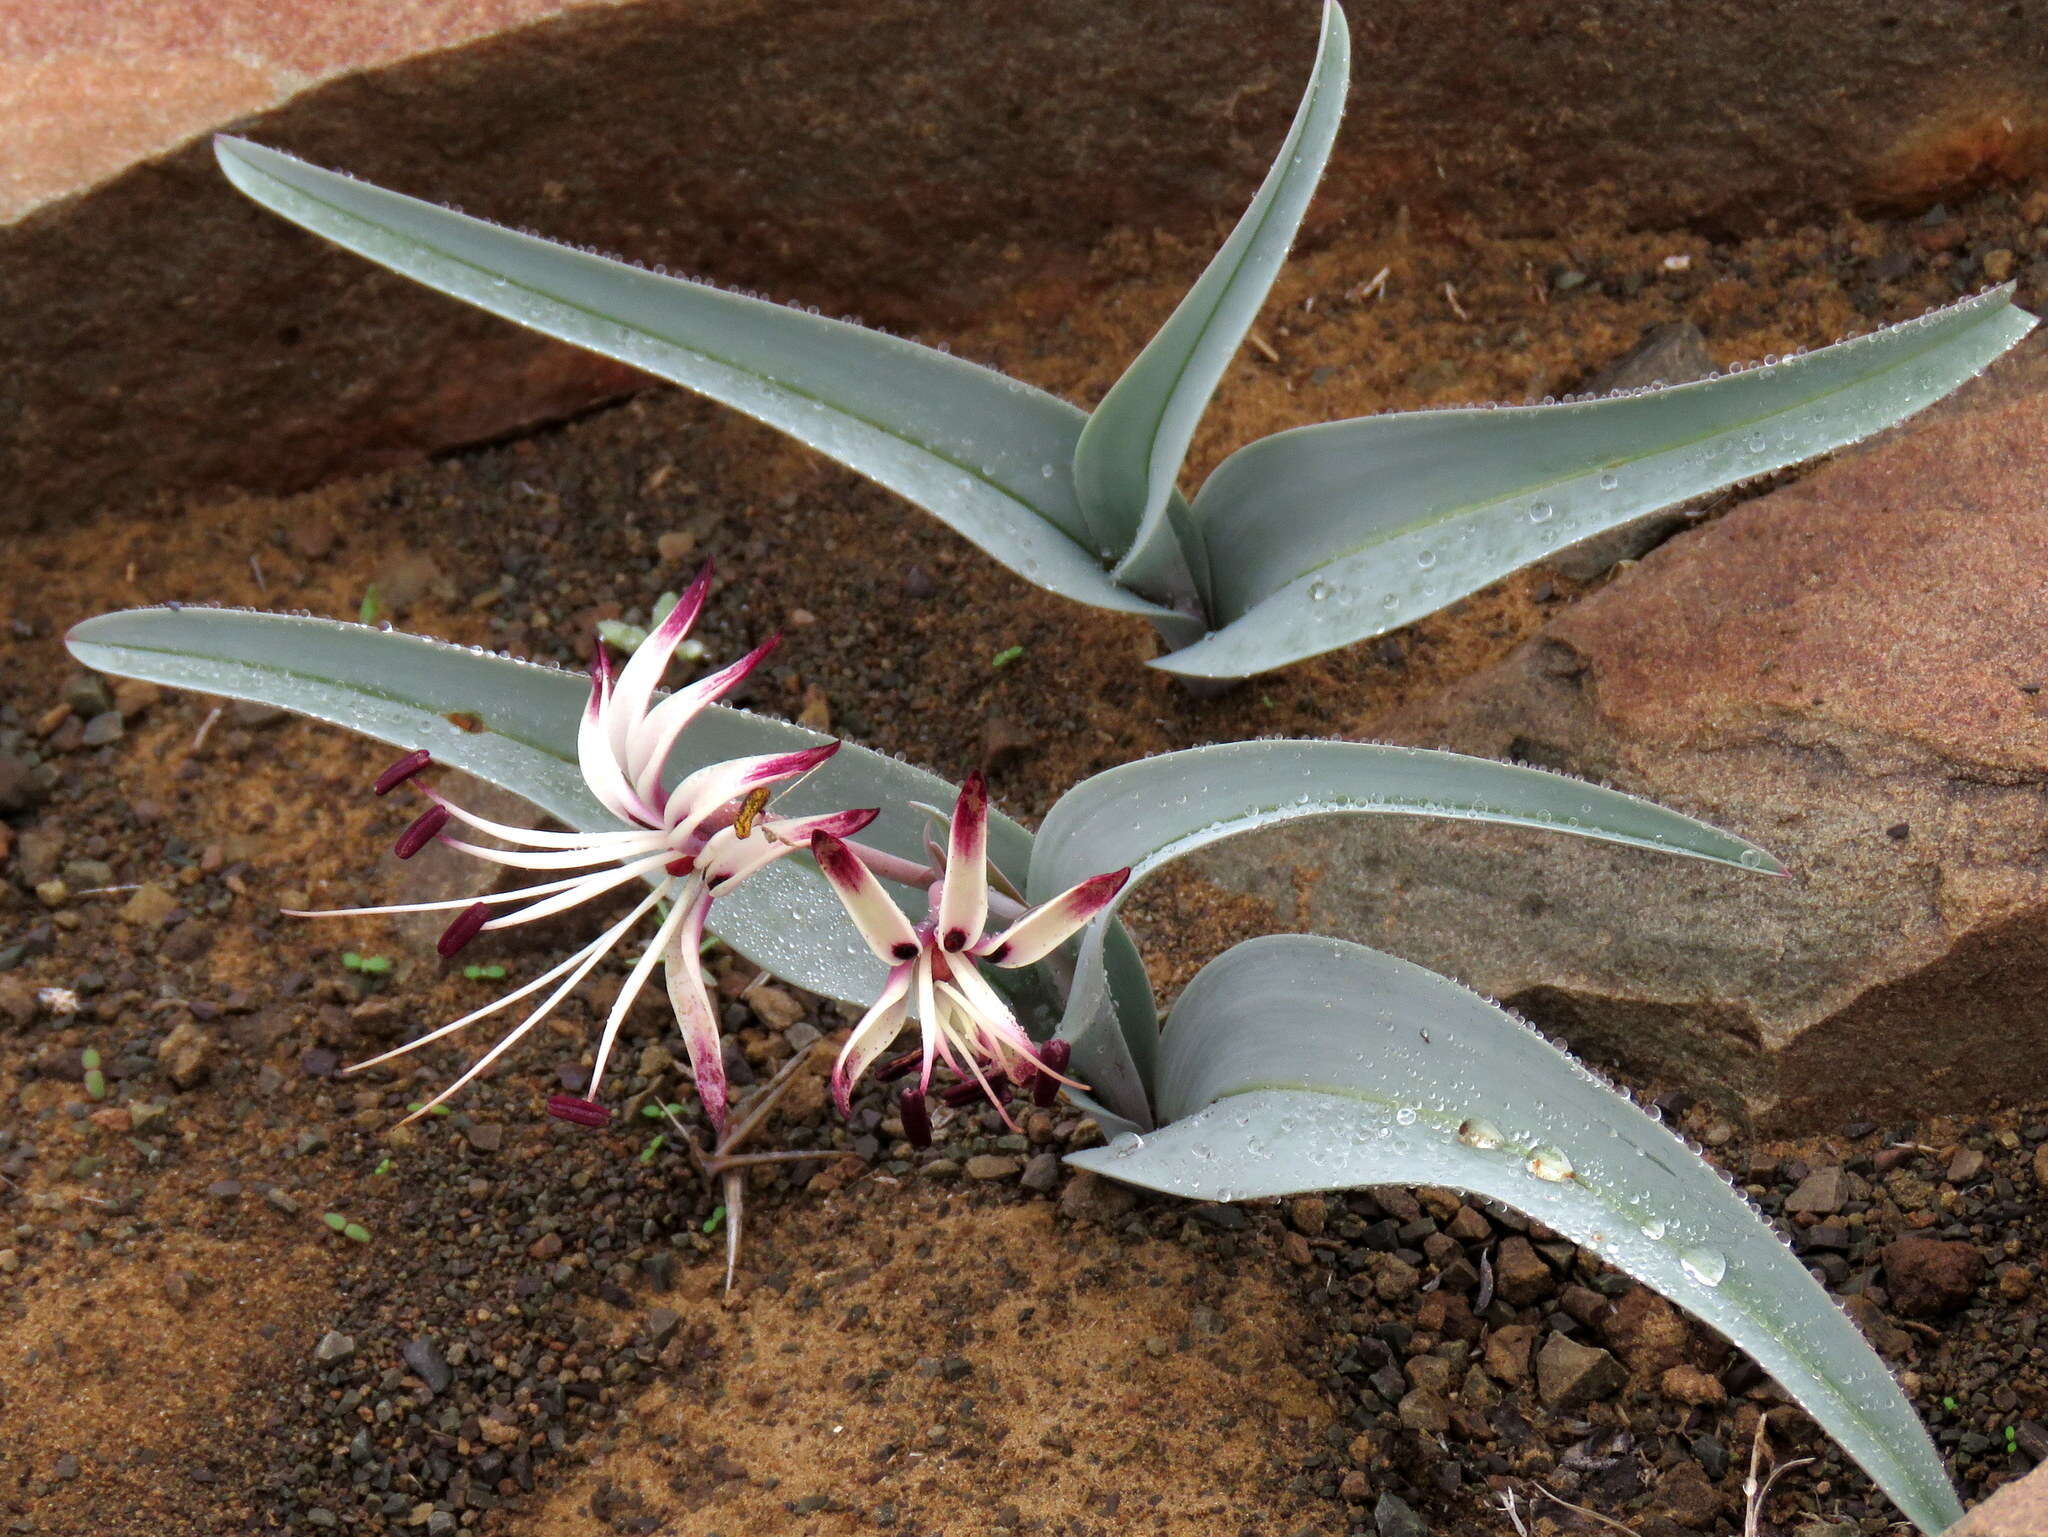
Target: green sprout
1949 1404
353 1231
384 1166
371 606
419 1104
368 965
655 1112
654 1146
1005 657
95 1080
492 973
716 1220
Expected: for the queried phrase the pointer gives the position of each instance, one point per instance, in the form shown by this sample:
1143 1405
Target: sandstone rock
1519 1273
1690 1385
1686 1495
150 908
2020 1509
1927 1276
1507 1352
1570 1375
17 1002
1822 1192
1422 1410
776 1007
1646 1332
1091 1198
186 1055
1845 670
881 157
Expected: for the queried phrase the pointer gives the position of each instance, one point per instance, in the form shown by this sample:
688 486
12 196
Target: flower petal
876 1032
581 890
575 969
630 697
695 1017
728 859
717 784
879 919
991 1016
595 758
690 901
1051 924
650 740
963 905
564 859
527 837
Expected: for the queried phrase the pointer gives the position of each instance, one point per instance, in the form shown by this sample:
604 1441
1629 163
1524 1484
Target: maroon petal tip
467 925
917 1118
578 1111
401 771
425 829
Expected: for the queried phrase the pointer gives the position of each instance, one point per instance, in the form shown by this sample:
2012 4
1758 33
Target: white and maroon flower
933 964
689 843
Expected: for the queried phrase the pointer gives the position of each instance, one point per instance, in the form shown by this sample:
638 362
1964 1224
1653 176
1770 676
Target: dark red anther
965 1092
467 925
577 1111
917 1119
424 830
899 1066
681 866
401 771
1045 1088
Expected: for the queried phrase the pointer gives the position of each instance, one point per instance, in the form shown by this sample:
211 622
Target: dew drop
1318 591
1757 443
1609 480
1425 559
1550 1163
1705 1266
1654 1228
1481 1134
1542 512
1752 859
1405 1115
1125 1145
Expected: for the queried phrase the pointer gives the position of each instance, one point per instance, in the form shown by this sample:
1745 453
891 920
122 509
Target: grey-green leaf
1133 446
1325 535
1147 813
988 454
414 692
1112 1024
1296 1063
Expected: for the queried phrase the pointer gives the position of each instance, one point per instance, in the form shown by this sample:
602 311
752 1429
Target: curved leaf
1326 535
988 454
1296 1063
1147 813
1111 1023
1133 446
404 689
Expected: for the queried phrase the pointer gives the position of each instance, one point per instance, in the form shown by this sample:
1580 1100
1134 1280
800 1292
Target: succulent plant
1290 1062
1300 542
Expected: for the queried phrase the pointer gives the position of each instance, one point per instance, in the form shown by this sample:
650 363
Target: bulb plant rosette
1291 1063
1298 543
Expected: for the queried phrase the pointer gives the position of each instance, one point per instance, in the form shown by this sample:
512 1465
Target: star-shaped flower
934 964
689 843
